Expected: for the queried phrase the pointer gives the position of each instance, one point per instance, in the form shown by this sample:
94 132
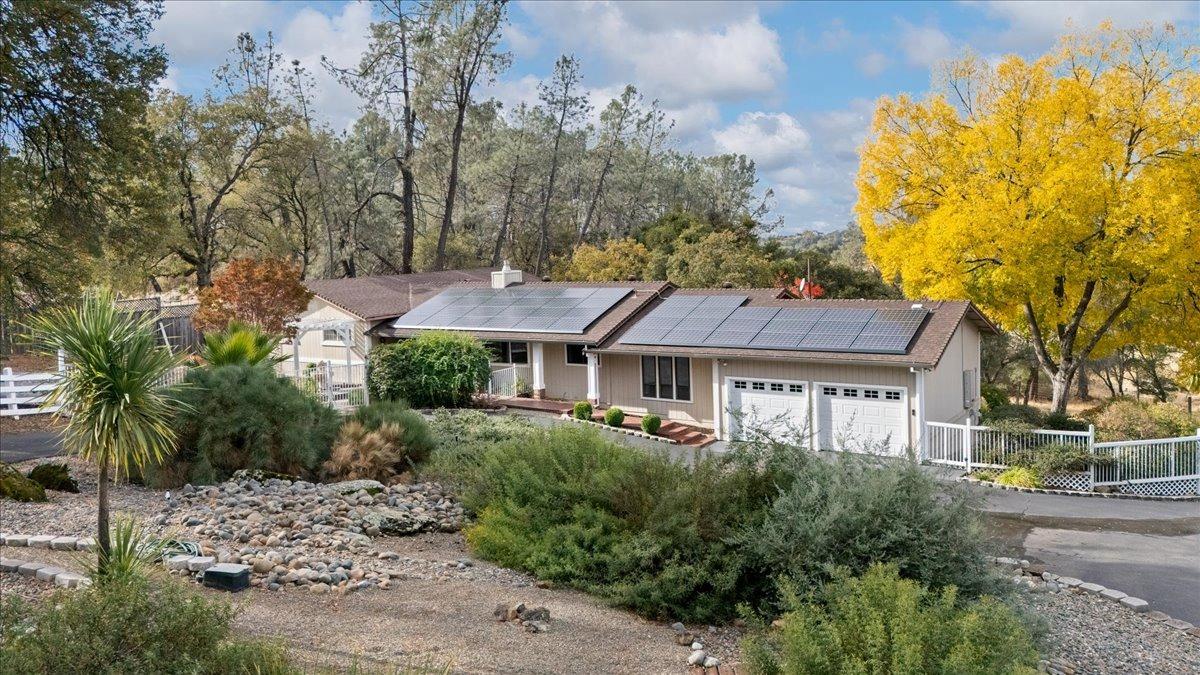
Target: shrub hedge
434 369
1126 419
244 417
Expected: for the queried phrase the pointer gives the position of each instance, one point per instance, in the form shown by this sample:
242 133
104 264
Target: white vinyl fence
1160 466
340 386
24 393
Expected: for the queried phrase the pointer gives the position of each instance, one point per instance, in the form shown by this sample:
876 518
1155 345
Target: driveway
17 447
1148 549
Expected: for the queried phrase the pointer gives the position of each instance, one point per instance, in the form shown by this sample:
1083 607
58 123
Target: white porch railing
338 385
504 381
1155 466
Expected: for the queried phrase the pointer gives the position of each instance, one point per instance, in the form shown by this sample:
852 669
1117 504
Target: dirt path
440 622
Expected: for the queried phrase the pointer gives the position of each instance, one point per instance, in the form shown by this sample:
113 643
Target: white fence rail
24 394
1169 466
340 386
507 381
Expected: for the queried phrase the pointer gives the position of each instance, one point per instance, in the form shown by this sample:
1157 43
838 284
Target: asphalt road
29 445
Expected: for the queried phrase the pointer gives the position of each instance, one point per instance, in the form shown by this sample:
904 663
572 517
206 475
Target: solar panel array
721 321
520 309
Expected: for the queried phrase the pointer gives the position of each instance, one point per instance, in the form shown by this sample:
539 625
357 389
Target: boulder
349 487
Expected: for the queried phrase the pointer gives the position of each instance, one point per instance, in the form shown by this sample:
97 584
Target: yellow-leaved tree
618 260
1060 195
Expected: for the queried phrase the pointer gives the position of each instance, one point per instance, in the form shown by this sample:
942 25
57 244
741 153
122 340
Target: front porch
682 434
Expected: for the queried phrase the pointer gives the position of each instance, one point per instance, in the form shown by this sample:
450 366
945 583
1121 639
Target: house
850 373
335 328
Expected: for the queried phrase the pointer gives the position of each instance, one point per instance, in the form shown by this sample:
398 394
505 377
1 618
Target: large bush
137 626
881 623
244 417
1125 419
379 441
434 369
463 437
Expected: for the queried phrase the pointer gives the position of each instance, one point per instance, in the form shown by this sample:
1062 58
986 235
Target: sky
790 84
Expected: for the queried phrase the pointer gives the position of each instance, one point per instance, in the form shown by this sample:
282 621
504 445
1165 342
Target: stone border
1075 493
43 572
1131 603
50 541
622 430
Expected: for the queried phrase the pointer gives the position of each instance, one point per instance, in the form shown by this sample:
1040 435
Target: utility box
227 577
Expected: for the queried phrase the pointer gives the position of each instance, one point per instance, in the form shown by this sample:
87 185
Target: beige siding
621 385
563 381
944 384
311 347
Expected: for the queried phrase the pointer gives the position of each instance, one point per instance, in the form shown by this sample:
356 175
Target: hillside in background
844 247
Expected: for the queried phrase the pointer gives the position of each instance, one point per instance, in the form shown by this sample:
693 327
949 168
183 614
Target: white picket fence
340 386
24 393
1160 466
506 381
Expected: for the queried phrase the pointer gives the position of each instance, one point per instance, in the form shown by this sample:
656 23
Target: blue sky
791 84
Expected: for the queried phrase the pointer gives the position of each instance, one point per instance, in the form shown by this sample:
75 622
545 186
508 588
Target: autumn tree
1058 194
265 293
618 260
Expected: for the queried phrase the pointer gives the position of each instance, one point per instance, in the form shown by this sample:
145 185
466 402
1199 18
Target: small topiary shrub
651 423
1019 476
15 486
434 369
614 416
244 417
379 442
896 626
132 626
54 476
582 410
993 396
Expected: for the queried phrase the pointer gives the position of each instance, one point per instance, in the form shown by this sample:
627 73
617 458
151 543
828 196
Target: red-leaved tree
267 293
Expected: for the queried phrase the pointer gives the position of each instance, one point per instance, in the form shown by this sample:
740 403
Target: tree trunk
587 221
102 540
1060 389
408 191
503 234
1083 384
543 260
439 261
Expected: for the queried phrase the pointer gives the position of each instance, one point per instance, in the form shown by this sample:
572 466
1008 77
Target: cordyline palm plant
240 344
113 394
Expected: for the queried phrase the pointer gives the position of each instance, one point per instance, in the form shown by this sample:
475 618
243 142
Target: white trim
718 410
593 377
565 357
727 413
816 417
919 409
538 362
691 379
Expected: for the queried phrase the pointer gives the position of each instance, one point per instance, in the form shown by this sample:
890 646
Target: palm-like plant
113 395
240 344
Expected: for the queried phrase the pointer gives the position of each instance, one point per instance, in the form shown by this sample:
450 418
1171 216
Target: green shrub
614 416
1025 414
993 396
434 369
15 486
244 417
651 423
1019 476
582 410
139 626
881 623
1063 422
986 474
240 344
1125 419
524 388
461 439
853 512
379 443
132 550
416 438
54 476
1055 458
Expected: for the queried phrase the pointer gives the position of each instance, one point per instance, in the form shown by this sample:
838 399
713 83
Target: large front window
508 352
667 377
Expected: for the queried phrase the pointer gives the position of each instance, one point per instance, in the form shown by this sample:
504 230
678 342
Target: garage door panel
772 406
857 417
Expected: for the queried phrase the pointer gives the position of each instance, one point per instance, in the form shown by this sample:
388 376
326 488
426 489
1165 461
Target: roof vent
506 277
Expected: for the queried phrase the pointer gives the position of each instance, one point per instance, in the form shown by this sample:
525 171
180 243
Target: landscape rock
697 658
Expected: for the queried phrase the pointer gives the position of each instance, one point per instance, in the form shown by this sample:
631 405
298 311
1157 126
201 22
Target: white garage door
777 407
862 418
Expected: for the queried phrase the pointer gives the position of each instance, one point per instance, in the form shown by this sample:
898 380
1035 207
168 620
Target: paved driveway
29 445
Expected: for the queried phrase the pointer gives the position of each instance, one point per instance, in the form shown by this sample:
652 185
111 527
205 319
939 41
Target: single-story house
854 374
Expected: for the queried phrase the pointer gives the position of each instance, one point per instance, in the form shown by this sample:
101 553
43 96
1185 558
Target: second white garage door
776 407
862 418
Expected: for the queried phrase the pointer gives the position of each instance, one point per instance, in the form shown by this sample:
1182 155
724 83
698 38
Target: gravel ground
70 514
1101 636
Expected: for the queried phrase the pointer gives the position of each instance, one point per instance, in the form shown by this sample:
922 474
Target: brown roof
926 350
383 297
644 292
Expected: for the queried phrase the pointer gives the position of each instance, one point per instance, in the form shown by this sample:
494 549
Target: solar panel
720 321
532 309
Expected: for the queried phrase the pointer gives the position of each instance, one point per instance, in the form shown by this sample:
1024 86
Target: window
739 384
829 391
331 335
796 388
892 395
968 387
575 355
776 386
667 377
508 352
870 393
758 386
852 393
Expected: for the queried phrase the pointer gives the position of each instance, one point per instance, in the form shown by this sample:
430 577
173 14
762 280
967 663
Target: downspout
919 410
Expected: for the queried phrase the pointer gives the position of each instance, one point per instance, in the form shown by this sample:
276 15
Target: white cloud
833 37
772 140
671 51
198 33
924 46
693 123
792 195
1037 25
341 38
520 43
872 64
